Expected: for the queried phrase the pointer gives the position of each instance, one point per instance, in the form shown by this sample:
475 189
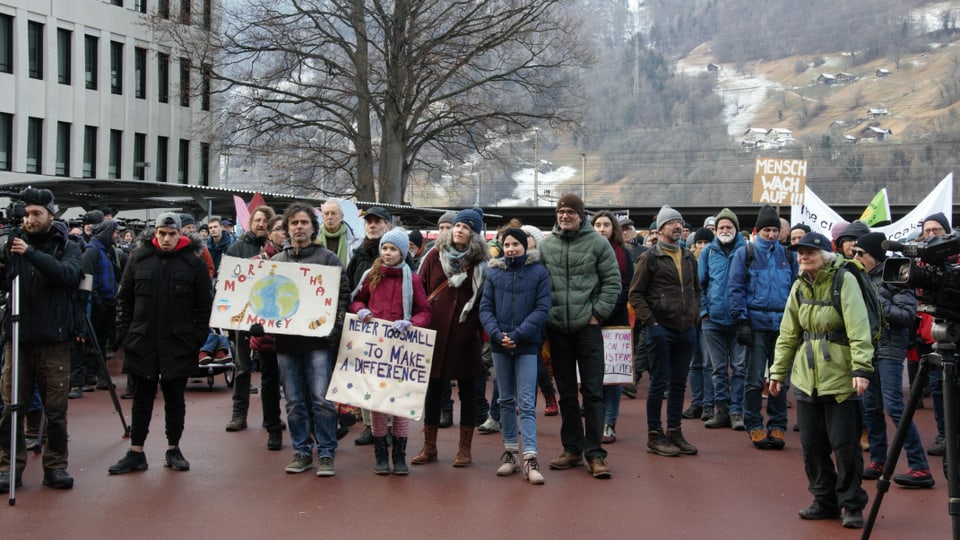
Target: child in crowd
391 291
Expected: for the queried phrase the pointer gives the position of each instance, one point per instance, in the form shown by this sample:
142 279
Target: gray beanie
665 215
447 217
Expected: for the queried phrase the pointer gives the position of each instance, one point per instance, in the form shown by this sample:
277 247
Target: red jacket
386 300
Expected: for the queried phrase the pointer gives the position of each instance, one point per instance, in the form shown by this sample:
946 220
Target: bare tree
356 95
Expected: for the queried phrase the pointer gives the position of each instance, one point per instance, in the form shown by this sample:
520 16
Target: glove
364 314
401 325
256 330
744 334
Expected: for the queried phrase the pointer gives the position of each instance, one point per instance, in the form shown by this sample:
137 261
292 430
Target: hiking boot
819 511
736 422
597 466
777 439
531 471
75 393
5 482
132 461
274 440
551 409
489 426
675 437
872 471
300 463
695 410
237 423
174 460
707 413
365 438
609 434
915 478
446 419
720 420
325 466
508 463
566 460
852 519
400 456
759 438
658 444
939 447
58 479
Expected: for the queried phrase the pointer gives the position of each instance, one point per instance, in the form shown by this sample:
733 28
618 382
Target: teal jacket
824 364
584 278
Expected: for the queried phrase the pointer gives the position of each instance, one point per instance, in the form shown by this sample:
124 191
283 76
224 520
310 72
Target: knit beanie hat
573 202
187 219
398 238
872 244
536 233
415 237
726 213
93 217
939 218
802 226
703 235
472 217
837 230
710 222
666 215
518 234
447 217
855 230
768 217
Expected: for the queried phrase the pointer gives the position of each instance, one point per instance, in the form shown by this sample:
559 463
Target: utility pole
536 166
583 177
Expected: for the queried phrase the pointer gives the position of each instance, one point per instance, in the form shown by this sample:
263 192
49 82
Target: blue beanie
472 217
397 238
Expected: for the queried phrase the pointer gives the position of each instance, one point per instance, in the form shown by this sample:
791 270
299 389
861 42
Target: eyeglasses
566 212
859 253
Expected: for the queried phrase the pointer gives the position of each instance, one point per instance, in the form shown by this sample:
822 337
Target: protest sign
381 369
617 355
779 181
285 297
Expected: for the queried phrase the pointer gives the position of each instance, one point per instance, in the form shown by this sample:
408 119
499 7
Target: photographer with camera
48 264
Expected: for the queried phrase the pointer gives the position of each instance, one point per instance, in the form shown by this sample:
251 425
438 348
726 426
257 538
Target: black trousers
174 406
434 401
828 431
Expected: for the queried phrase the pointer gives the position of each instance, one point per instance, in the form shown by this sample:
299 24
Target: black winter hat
872 244
703 234
768 217
855 230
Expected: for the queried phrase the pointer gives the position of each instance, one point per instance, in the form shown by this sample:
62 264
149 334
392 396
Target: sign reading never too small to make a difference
778 181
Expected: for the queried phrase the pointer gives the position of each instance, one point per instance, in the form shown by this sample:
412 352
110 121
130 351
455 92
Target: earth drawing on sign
275 297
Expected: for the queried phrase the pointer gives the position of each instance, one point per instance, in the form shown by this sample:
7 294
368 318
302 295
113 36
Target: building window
163 8
140 5
163 77
183 168
6 141
90 54
34 144
140 156
63 149
162 159
184 11
35 49
184 82
89 152
116 145
117 2
6 43
207 16
204 179
116 67
205 88
140 72
64 52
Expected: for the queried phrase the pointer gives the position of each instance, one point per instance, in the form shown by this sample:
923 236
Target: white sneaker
508 463
531 471
490 426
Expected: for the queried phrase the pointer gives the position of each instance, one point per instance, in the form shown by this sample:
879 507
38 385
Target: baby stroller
215 358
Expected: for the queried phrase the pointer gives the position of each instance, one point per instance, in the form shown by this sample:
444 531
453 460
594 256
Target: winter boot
721 419
463 457
429 451
551 408
658 444
382 453
400 456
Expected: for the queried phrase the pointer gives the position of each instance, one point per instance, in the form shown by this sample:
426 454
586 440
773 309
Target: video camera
937 278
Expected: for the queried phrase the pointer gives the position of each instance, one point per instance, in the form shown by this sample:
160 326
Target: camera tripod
944 355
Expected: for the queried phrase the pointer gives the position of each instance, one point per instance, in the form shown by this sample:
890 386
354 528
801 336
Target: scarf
456 266
406 286
340 237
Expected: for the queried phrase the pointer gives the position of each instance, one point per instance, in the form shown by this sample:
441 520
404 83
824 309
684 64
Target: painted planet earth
275 297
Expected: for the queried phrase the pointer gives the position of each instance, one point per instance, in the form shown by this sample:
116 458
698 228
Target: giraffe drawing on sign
235 320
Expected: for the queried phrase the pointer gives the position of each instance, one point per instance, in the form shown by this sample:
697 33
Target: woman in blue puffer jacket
514 310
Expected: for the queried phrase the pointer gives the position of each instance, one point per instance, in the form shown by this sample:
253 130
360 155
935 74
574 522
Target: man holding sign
307 362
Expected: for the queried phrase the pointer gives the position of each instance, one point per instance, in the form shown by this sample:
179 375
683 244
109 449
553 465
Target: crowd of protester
740 314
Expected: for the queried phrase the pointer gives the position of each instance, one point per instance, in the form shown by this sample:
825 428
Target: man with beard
719 328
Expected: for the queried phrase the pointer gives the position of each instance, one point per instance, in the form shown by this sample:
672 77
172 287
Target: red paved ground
237 489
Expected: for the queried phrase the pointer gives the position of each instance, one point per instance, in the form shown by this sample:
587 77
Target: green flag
878 211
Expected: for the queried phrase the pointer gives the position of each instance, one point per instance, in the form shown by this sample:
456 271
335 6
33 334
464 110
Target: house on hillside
839 124
754 135
877 112
850 139
843 76
714 68
781 136
826 78
882 72
875 133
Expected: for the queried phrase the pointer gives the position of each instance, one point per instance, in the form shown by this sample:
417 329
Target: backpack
871 299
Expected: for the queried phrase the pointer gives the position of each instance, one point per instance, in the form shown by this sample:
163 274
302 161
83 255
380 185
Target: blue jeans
886 392
306 376
611 403
517 385
669 355
726 354
701 382
759 357
215 341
